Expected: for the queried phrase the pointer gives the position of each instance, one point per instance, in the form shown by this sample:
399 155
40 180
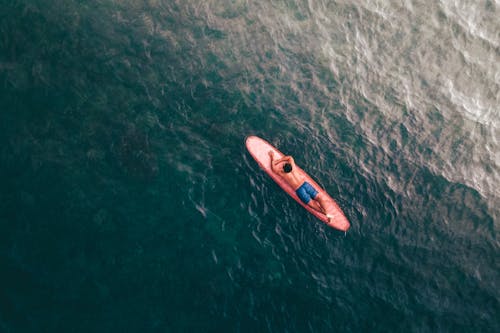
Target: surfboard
259 150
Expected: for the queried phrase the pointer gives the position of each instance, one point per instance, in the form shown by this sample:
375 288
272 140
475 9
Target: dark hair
287 167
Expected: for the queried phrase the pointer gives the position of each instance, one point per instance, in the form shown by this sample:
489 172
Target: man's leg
316 206
320 199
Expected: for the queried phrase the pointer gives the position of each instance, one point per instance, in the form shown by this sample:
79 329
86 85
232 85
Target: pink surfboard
259 149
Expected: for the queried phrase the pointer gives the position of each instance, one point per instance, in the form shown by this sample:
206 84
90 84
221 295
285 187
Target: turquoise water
128 202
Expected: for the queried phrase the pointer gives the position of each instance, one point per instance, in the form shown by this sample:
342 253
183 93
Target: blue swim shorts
306 192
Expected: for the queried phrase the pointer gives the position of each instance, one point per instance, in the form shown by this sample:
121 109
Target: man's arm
274 163
288 159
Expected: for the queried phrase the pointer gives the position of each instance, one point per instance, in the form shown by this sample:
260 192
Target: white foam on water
474 107
480 22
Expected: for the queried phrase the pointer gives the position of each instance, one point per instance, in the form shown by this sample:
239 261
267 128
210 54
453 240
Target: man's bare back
293 177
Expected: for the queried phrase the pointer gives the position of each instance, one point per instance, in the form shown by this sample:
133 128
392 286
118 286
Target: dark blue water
128 202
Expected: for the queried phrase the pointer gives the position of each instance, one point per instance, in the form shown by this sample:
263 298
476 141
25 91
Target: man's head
287 167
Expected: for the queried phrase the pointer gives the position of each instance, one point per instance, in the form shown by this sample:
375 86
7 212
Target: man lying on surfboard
304 190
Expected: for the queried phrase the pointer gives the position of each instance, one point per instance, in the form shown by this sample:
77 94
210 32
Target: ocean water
128 202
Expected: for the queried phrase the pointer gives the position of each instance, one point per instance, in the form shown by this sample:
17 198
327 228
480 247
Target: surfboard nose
344 225
338 221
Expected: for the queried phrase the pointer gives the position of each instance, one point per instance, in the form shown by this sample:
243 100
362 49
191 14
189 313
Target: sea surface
128 202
